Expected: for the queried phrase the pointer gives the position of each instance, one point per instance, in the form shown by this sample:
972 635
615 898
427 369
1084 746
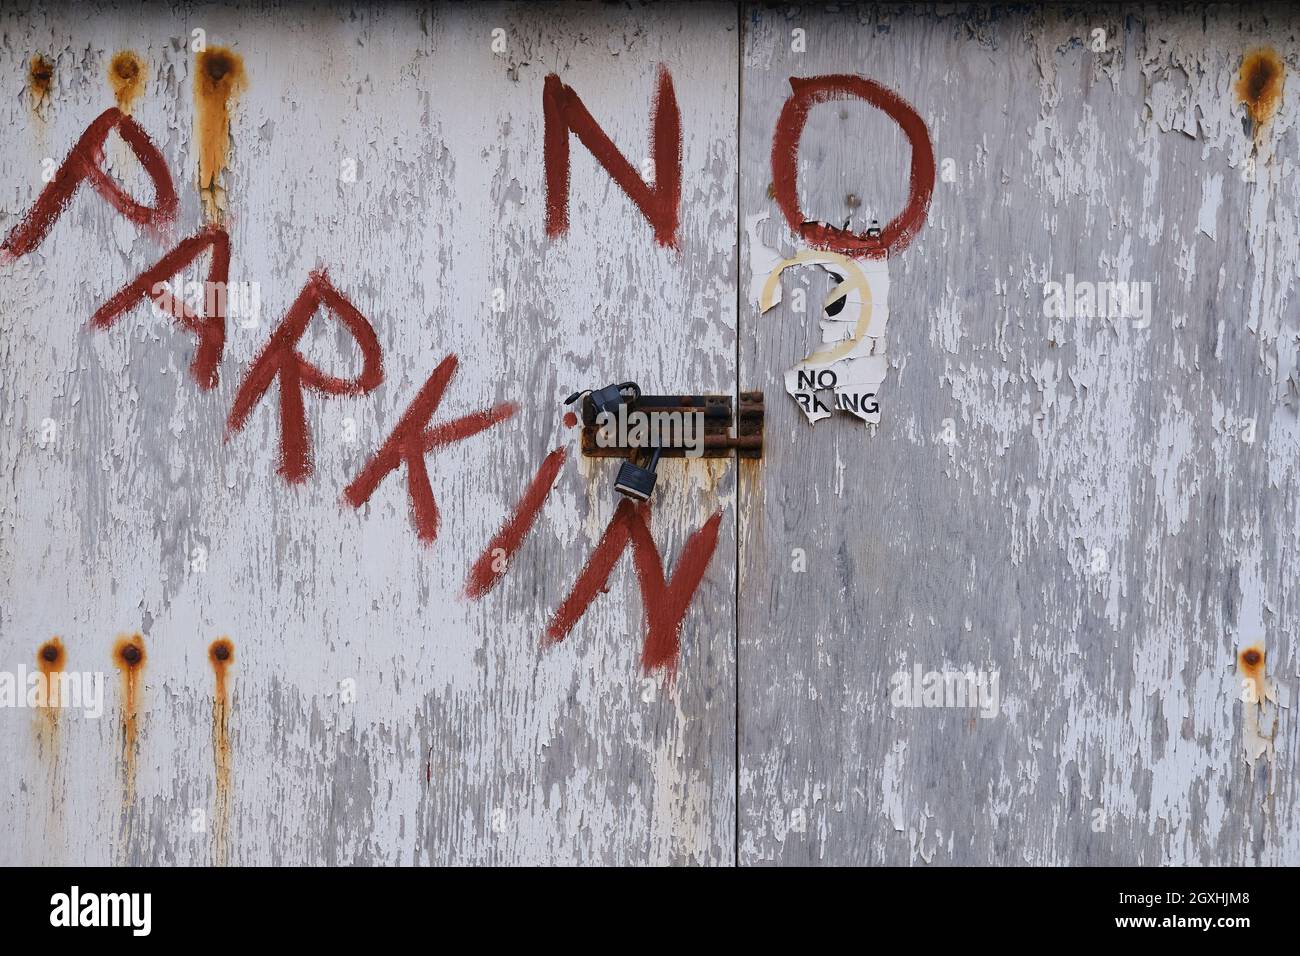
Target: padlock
636 482
599 400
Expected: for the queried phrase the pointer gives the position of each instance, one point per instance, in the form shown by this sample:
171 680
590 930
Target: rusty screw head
221 652
49 653
41 69
217 66
1252 658
131 654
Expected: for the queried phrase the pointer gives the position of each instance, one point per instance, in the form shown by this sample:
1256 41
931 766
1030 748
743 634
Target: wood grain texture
1120 698
466 742
1102 514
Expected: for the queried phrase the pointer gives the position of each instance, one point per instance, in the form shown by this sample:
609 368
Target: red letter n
281 359
85 162
664 602
563 113
495 559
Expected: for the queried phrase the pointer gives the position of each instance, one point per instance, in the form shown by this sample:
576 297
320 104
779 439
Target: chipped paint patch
763 260
1257 693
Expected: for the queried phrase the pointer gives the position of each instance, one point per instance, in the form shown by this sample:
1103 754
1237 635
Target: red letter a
210 329
86 162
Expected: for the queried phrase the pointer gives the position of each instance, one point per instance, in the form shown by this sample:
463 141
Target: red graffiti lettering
495 560
664 602
902 229
280 358
85 162
152 284
563 112
411 440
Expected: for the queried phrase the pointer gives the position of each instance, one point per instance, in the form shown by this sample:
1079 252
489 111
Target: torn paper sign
851 361
762 260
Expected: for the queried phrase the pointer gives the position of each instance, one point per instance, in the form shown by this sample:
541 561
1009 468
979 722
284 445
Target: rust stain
126 75
51 659
1250 662
218 80
1259 84
221 653
40 80
129 657
1256 693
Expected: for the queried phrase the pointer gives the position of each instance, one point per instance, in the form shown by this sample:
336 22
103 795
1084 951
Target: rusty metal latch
619 421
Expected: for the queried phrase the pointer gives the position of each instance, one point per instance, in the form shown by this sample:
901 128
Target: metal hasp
621 422
721 415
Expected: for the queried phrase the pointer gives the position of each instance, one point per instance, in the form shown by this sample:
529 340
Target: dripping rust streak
222 655
50 659
218 80
1250 662
128 657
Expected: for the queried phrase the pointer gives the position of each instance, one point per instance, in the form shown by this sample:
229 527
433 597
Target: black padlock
636 482
599 400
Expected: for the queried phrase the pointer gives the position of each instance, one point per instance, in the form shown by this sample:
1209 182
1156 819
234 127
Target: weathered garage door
1092 514
376 713
355 596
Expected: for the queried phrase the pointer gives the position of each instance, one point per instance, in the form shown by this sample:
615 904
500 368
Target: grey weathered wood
1119 688
459 711
469 743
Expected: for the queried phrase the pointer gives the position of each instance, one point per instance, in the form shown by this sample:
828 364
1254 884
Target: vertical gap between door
740 100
